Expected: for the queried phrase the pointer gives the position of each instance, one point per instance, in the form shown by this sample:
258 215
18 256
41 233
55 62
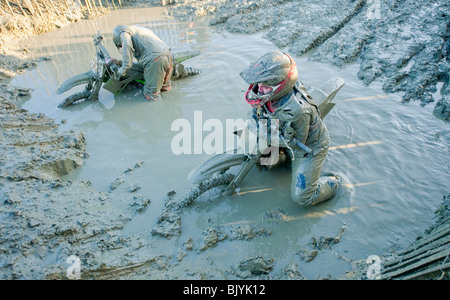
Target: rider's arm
127 55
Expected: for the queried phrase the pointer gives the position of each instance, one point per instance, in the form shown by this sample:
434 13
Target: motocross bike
101 72
214 173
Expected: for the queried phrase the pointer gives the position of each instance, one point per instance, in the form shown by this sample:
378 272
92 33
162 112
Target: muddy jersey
142 44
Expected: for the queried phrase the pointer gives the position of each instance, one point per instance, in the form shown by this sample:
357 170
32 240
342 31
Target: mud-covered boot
327 188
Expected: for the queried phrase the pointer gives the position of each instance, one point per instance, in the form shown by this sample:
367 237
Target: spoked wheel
209 188
76 97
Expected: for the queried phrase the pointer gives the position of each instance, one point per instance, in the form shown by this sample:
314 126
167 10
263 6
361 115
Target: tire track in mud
31 145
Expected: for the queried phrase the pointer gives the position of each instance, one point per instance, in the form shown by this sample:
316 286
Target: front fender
83 78
182 56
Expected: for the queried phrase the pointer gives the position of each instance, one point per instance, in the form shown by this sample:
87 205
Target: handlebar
302 146
288 132
98 42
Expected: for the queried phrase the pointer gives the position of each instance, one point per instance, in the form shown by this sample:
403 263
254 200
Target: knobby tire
206 185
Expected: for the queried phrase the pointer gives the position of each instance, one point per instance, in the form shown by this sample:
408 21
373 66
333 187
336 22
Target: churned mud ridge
14 60
46 221
404 44
425 259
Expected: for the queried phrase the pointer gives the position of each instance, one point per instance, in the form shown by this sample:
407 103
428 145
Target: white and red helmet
270 77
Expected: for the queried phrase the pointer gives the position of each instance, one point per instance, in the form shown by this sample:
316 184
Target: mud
45 220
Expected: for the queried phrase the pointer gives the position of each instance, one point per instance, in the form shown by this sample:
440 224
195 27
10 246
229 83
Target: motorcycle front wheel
209 188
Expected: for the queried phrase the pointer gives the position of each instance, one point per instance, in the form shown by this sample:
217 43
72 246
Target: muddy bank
405 44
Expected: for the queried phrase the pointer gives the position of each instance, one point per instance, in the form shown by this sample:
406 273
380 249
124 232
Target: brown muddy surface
50 215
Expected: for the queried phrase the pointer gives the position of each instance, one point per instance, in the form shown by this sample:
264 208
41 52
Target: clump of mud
250 267
169 225
216 234
318 244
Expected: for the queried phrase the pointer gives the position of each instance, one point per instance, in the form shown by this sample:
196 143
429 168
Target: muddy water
393 157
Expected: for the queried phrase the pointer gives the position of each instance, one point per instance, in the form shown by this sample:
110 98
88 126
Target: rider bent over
276 93
152 54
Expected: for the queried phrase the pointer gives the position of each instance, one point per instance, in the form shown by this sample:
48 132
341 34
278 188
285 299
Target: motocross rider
276 93
152 54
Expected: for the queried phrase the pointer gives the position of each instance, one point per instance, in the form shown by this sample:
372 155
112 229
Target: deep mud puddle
393 156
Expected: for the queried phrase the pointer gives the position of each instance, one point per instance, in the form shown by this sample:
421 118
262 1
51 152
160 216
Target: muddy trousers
158 75
307 186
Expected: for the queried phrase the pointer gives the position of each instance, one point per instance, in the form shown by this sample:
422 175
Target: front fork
96 84
248 165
